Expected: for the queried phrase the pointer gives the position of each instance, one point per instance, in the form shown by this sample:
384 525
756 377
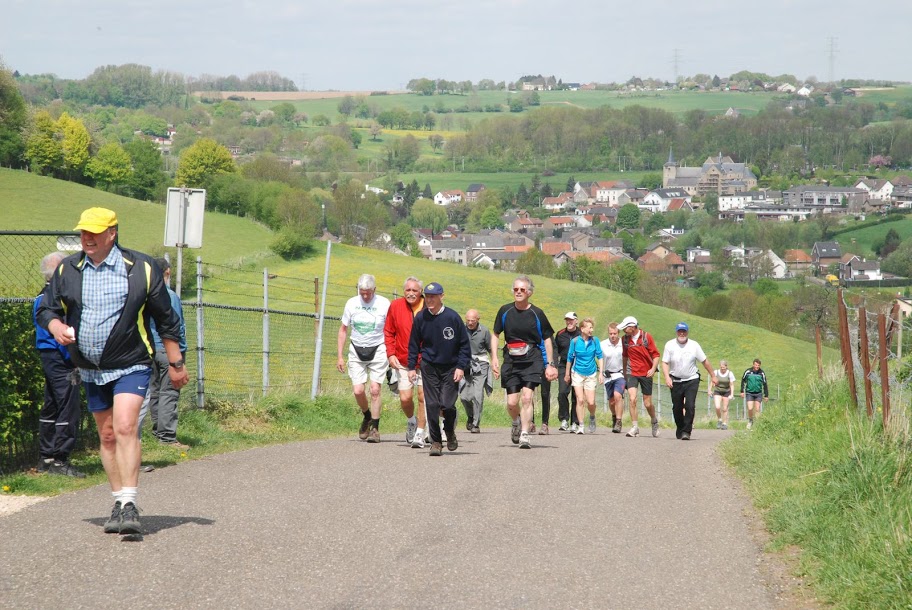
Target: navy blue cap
433 288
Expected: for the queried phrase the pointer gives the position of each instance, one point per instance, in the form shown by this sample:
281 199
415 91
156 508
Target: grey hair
723 363
527 280
412 278
367 282
50 262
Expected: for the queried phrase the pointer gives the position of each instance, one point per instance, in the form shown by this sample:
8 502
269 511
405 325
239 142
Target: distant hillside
33 202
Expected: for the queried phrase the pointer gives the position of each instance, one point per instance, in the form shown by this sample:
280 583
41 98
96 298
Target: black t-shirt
521 326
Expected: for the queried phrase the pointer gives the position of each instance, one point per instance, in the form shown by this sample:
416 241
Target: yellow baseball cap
96 220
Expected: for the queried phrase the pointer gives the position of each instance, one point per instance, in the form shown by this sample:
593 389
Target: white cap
570 315
628 321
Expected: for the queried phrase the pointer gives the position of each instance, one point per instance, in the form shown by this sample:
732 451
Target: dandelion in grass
183 454
6 489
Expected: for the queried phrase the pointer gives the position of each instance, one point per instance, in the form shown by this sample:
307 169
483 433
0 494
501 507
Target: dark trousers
59 416
683 404
565 398
440 393
546 399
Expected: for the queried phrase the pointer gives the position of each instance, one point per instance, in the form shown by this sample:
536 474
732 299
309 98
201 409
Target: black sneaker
452 443
66 469
129 519
112 525
44 464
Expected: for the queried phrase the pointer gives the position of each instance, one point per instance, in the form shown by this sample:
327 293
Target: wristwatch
177 365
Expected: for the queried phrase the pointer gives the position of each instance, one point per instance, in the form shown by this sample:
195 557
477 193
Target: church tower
669 170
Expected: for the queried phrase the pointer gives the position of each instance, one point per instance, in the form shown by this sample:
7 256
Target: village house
881 190
717 174
474 190
824 254
659 199
798 262
445 198
559 203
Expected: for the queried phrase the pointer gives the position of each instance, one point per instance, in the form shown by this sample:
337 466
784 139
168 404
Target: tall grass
835 484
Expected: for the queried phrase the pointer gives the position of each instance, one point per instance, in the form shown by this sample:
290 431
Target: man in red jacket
641 360
397 330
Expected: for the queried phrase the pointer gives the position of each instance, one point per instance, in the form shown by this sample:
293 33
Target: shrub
291 244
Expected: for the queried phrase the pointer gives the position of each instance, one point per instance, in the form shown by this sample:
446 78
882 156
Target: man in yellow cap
99 304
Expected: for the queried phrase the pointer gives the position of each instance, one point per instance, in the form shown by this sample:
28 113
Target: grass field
862 241
460 180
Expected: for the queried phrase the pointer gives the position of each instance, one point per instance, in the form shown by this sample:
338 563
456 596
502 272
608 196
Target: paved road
594 521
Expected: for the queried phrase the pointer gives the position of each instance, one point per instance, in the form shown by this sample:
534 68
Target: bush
291 244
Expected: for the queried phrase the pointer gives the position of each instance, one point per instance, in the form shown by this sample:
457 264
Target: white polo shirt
613 355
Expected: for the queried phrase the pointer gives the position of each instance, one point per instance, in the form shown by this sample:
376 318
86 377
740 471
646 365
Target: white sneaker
573 428
635 431
750 424
410 428
524 442
564 427
418 439
581 430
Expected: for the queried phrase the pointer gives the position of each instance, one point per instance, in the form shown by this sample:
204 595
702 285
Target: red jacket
640 355
398 328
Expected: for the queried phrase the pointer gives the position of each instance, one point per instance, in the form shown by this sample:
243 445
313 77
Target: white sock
127 495
117 497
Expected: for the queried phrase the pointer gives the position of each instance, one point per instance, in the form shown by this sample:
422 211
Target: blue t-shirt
583 354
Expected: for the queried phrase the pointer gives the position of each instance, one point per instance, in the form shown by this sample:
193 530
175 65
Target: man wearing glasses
527 353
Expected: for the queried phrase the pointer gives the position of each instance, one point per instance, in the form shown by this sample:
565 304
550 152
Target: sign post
184 223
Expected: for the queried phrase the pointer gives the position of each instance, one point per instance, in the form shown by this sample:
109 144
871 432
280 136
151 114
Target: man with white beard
679 364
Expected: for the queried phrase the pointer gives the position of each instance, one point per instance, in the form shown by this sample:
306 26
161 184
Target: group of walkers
431 357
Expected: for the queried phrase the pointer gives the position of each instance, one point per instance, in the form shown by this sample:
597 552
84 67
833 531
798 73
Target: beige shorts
401 378
375 369
587 382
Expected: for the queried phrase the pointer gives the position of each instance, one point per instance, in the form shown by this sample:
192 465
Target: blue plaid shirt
104 293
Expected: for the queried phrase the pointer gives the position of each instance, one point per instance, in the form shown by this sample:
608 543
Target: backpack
644 340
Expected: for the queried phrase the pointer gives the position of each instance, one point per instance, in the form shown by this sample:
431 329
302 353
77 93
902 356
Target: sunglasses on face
515 289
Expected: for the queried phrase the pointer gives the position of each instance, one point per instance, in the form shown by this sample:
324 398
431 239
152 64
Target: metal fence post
265 331
200 344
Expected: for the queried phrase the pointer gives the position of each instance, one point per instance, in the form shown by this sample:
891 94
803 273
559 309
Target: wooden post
846 343
819 351
884 368
865 358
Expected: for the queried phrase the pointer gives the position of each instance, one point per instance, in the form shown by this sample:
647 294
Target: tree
428 215
491 219
535 262
404 239
628 216
347 105
147 180
111 166
571 184
202 162
436 141
42 144
623 276
13 120
889 245
899 261
375 130
711 203
427 193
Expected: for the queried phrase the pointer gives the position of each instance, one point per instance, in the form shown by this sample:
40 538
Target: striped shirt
104 293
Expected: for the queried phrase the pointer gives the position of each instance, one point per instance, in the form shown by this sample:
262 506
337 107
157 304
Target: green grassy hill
32 202
862 241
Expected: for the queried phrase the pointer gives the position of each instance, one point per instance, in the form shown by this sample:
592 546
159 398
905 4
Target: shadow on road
154 524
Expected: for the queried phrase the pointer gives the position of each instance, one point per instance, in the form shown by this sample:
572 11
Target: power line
833 49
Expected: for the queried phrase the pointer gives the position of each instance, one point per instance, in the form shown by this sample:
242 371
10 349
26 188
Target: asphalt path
592 521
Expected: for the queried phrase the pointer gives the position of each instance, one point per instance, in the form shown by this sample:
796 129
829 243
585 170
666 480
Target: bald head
471 319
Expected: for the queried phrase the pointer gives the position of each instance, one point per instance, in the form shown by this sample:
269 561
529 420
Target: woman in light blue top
584 371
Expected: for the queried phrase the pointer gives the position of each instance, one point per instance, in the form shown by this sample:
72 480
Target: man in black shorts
527 353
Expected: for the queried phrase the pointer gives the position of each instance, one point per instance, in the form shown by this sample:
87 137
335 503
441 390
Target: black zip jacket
130 342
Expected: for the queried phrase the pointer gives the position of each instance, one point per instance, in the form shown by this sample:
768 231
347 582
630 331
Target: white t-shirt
613 358
366 320
682 360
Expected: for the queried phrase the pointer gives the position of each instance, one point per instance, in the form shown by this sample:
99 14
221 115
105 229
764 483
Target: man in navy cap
440 336
679 364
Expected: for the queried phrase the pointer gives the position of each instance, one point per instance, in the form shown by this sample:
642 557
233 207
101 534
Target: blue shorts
101 397
615 385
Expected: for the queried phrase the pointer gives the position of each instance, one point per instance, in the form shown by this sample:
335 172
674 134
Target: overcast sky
382 44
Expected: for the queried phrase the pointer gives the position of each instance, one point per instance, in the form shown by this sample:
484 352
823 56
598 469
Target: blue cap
433 288
682 326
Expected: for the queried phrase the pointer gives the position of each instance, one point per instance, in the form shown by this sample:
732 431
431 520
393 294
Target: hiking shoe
469 426
146 468
373 435
365 426
44 464
617 427
725 426
129 519
543 430
514 433
418 440
410 428
532 428
591 425
655 427
112 525
564 426
176 444
750 424
475 430
719 425
452 443
66 469
635 431
436 449
685 436
524 442
573 428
